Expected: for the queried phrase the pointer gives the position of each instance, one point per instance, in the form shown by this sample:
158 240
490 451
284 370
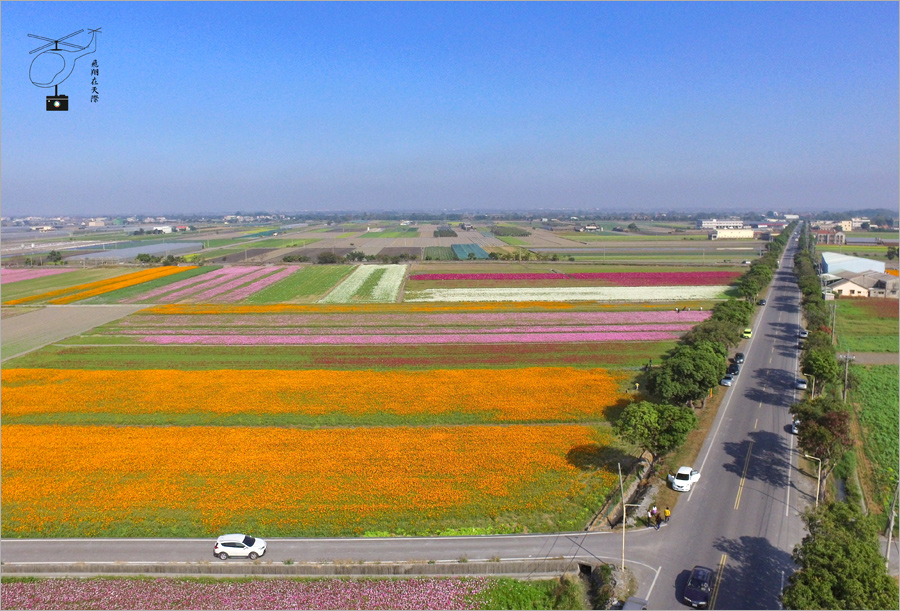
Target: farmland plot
369 283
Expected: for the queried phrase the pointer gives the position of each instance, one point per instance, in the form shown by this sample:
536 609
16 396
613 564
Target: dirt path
876 358
35 329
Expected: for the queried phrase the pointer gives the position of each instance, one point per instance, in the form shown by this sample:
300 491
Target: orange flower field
92 289
502 395
202 481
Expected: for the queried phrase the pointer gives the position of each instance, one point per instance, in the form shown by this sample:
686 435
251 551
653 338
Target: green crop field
867 325
876 390
303 285
282 243
439 253
396 232
513 241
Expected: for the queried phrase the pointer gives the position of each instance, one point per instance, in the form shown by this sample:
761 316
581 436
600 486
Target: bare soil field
50 324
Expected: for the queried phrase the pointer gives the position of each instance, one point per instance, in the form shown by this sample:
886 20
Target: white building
720 224
835 263
732 234
163 228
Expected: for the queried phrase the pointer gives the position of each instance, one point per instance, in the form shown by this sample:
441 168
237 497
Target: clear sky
219 107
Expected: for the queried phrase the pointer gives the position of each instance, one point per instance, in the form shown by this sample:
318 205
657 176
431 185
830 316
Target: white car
239 546
801 384
727 380
683 479
795 427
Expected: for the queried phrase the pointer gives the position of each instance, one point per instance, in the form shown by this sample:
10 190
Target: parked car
699 586
762 302
728 380
739 358
733 369
683 479
239 546
748 333
804 333
795 426
635 604
801 385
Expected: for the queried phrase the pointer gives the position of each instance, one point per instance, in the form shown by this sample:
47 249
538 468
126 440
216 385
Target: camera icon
57 102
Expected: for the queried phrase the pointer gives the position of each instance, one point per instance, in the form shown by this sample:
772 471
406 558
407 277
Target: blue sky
218 107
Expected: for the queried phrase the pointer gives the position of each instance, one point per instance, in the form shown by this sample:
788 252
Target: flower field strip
536 394
616 278
236 281
29 273
386 289
129 294
252 288
388 331
410 357
176 286
61 481
332 340
212 280
123 282
83 291
387 308
315 316
574 293
228 594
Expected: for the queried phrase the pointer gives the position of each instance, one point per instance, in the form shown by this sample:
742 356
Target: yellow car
748 333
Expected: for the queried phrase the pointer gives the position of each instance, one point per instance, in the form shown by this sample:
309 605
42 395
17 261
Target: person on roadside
659 520
667 513
653 511
649 519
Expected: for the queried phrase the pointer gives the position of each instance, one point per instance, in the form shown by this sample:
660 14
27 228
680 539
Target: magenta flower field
163 593
615 278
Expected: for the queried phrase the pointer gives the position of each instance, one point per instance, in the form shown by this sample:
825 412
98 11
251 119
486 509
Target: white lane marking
653 583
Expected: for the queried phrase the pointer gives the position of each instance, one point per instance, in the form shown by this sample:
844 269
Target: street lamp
812 393
818 477
625 507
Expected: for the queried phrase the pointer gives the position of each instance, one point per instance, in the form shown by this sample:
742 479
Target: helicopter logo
53 66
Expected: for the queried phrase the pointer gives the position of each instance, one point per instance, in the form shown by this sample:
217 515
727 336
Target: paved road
741 520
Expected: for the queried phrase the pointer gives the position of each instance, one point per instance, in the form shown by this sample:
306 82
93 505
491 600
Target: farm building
835 263
848 288
827 236
732 234
720 224
876 284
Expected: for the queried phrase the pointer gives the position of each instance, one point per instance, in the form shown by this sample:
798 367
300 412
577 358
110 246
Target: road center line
715 592
737 501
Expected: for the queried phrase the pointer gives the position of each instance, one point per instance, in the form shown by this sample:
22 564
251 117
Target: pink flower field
167 593
225 285
28 273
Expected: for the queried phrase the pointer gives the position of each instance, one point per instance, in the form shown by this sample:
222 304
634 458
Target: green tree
820 362
689 372
327 257
840 566
718 331
54 256
655 428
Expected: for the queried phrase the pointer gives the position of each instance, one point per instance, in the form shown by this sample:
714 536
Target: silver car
727 380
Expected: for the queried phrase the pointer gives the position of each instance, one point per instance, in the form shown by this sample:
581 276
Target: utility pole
833 318
846 358
818 477
625 507
887 551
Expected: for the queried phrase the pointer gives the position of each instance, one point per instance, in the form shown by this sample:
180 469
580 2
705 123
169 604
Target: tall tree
840 566
655 428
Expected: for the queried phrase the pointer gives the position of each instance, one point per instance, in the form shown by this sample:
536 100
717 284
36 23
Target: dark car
733 369
699 586
739 358
762 302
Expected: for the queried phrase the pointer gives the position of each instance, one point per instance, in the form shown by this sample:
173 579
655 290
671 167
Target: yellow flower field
501 395
201 481
91 289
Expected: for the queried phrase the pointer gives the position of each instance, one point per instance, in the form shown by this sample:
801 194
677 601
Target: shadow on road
753 575
773 389
769 459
